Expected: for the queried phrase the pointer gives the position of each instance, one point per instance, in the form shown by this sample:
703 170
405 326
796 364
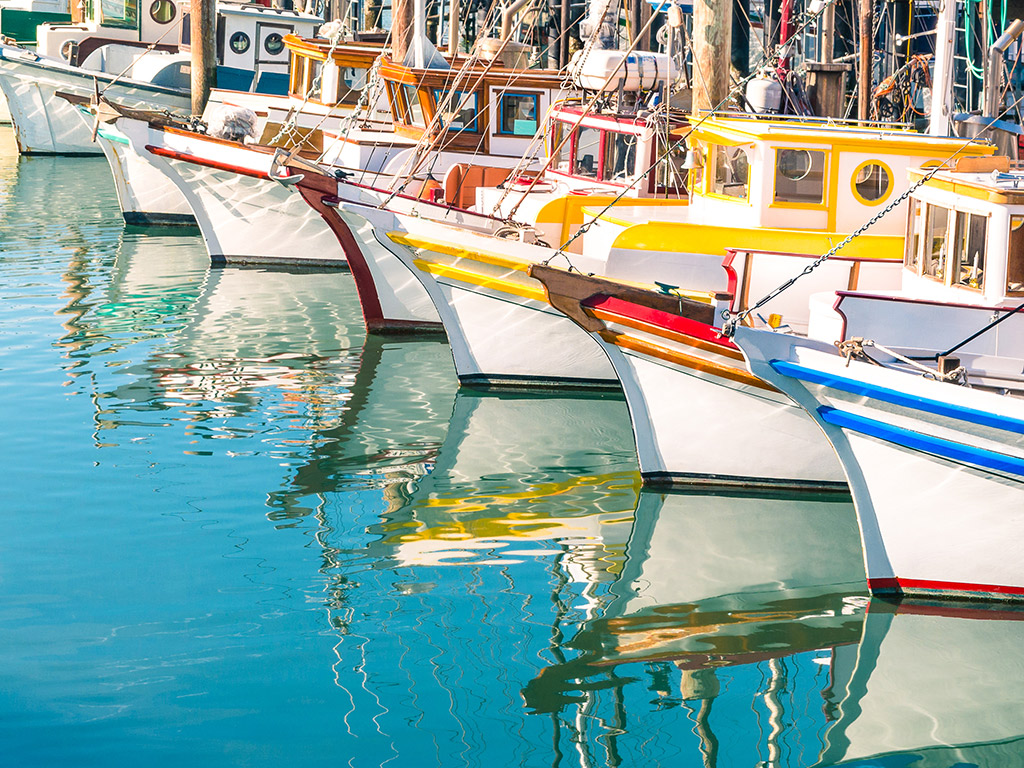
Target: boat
245 216
133 59
920 394
504 332
296 120
362 216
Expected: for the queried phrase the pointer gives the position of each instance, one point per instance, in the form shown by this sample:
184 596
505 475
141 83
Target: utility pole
866 69
712 52
204 57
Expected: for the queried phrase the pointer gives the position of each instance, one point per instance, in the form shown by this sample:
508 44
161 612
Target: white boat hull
936 470
44 123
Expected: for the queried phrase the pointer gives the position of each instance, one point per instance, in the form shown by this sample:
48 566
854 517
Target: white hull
243 215
693 427
44 123
145 193
501 329
936 470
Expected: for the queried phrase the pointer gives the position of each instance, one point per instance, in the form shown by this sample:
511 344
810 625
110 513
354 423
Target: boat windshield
119 13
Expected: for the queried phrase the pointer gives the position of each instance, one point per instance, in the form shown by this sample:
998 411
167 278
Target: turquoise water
235 531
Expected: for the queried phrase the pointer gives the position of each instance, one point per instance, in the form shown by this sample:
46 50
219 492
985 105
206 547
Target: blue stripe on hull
936 446
936 407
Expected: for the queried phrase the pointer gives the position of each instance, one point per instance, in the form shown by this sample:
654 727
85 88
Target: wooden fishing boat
84 59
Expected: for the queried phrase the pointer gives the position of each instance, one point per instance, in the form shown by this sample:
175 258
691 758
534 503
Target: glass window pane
732 171
799 176
935 242
872 182
588 144
414 110
120 13
1015 256
670 173
563 156
620 156
912 244
971 231
459 109
518 114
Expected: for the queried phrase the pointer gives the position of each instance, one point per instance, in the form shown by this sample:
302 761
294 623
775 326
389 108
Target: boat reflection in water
934 685
732 613
520 477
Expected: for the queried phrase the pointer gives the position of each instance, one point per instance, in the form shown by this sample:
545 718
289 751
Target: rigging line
419 150
975 335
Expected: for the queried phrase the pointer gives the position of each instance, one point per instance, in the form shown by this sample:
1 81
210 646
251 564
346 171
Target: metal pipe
507 15
994 72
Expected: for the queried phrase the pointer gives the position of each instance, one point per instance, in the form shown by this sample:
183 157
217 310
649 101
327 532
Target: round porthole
274 44
794 164
239 42
163 11
872 182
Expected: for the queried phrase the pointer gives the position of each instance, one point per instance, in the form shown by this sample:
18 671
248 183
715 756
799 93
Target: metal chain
731 320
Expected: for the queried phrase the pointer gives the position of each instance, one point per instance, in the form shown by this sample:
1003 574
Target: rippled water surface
236 531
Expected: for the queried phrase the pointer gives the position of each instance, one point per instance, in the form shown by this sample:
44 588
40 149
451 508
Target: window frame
439 94
825 171
500 113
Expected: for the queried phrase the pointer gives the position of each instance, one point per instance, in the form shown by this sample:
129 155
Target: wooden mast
402 12
866 70
204 59
712 52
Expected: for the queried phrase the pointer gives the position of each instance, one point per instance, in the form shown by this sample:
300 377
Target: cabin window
413 108
934 257
872 182
969 256
239 42
670 169
799 176
562 151
274 44
119 13
731 171
315 81
517 114
1015 256
912 242
619 156
588 151
162 11
352 79
459 109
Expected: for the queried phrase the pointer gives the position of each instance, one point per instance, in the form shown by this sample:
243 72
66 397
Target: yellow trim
474 278
888 190
570 211
487 257
669 236
970 189
709 180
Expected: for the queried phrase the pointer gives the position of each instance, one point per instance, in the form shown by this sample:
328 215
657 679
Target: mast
712 52
866 70
204 59
942 80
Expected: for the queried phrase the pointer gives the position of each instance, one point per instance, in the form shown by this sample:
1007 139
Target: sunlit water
235 531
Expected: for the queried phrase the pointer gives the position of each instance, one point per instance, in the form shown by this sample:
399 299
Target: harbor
408 384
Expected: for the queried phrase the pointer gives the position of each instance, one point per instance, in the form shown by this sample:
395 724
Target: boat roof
739 128
993 179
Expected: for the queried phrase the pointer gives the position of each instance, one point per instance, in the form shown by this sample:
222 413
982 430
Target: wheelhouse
965 233
627 151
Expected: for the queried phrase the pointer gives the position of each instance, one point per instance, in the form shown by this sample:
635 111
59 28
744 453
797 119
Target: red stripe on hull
952 588
659 319
174 154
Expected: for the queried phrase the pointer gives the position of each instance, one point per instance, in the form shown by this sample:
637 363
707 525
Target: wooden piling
203 20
